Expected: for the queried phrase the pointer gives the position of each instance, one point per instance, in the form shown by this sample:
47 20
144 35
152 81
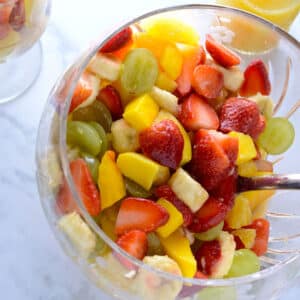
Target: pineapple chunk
171 62
140 169
141 112
241 214
175 219
164 82
187 147
104 67
124 137
177 246
188 190
247 150
165 100
247 236
256 198
265 104
79 233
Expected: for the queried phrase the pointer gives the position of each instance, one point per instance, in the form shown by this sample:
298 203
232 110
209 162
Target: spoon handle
271 182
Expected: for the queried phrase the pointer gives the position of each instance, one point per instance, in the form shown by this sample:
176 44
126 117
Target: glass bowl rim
65 163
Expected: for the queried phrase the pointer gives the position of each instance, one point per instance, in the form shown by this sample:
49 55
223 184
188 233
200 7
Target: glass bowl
280 265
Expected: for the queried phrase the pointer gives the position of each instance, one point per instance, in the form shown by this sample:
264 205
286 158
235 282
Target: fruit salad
161 125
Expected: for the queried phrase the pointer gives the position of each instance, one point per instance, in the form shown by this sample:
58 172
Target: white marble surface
32 266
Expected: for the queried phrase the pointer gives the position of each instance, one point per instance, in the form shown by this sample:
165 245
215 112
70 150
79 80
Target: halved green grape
136 190
154 245
97 112
245 262
210 234
278 136
84 136
92 163
103 137
140 71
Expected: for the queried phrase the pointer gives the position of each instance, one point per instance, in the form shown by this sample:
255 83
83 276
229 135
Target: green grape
92 163
278 136
210 234
244 262
136 190
139 72
84 136
103 137
217 293
154 245
97 112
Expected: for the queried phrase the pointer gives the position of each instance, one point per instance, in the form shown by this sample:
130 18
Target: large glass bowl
281 264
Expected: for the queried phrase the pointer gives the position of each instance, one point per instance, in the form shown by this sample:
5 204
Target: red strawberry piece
192 56
209 215
111 98
135 243
163 142
86 189
195 113
243 115
238 243
140 213
207 81
221 54
5 11
262 227
207 256
17 16
117 41
164 191
82 91
209 164
256 80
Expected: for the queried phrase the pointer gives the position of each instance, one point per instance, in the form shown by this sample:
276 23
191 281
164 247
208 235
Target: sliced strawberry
192 56
117 41
139 213
207 256
5 11
221 54
86 189
195 113
135 243
164 191
262 227
207 81
111 98
209 164
163 142
17 16
256 80
82 91
243 115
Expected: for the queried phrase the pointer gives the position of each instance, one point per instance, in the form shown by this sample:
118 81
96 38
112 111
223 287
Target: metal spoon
270 182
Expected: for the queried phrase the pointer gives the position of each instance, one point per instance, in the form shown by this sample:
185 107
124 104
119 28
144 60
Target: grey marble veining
32 266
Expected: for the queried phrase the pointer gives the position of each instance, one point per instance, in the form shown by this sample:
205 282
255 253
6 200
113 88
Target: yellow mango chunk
256 198
177 247
171 30
175 219
110 181
249 169
187 147
164 82
247 236
241 214
141 112
247 150
171 62
140 169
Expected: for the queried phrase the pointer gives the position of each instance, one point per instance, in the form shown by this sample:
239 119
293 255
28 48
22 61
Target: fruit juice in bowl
139 152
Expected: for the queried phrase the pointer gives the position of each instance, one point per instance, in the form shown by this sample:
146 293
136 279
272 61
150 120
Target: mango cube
140 169
255 198
247 150
110 181
187 147
247 236
141 112
171 62
175 219
177 247
241 214
164 82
